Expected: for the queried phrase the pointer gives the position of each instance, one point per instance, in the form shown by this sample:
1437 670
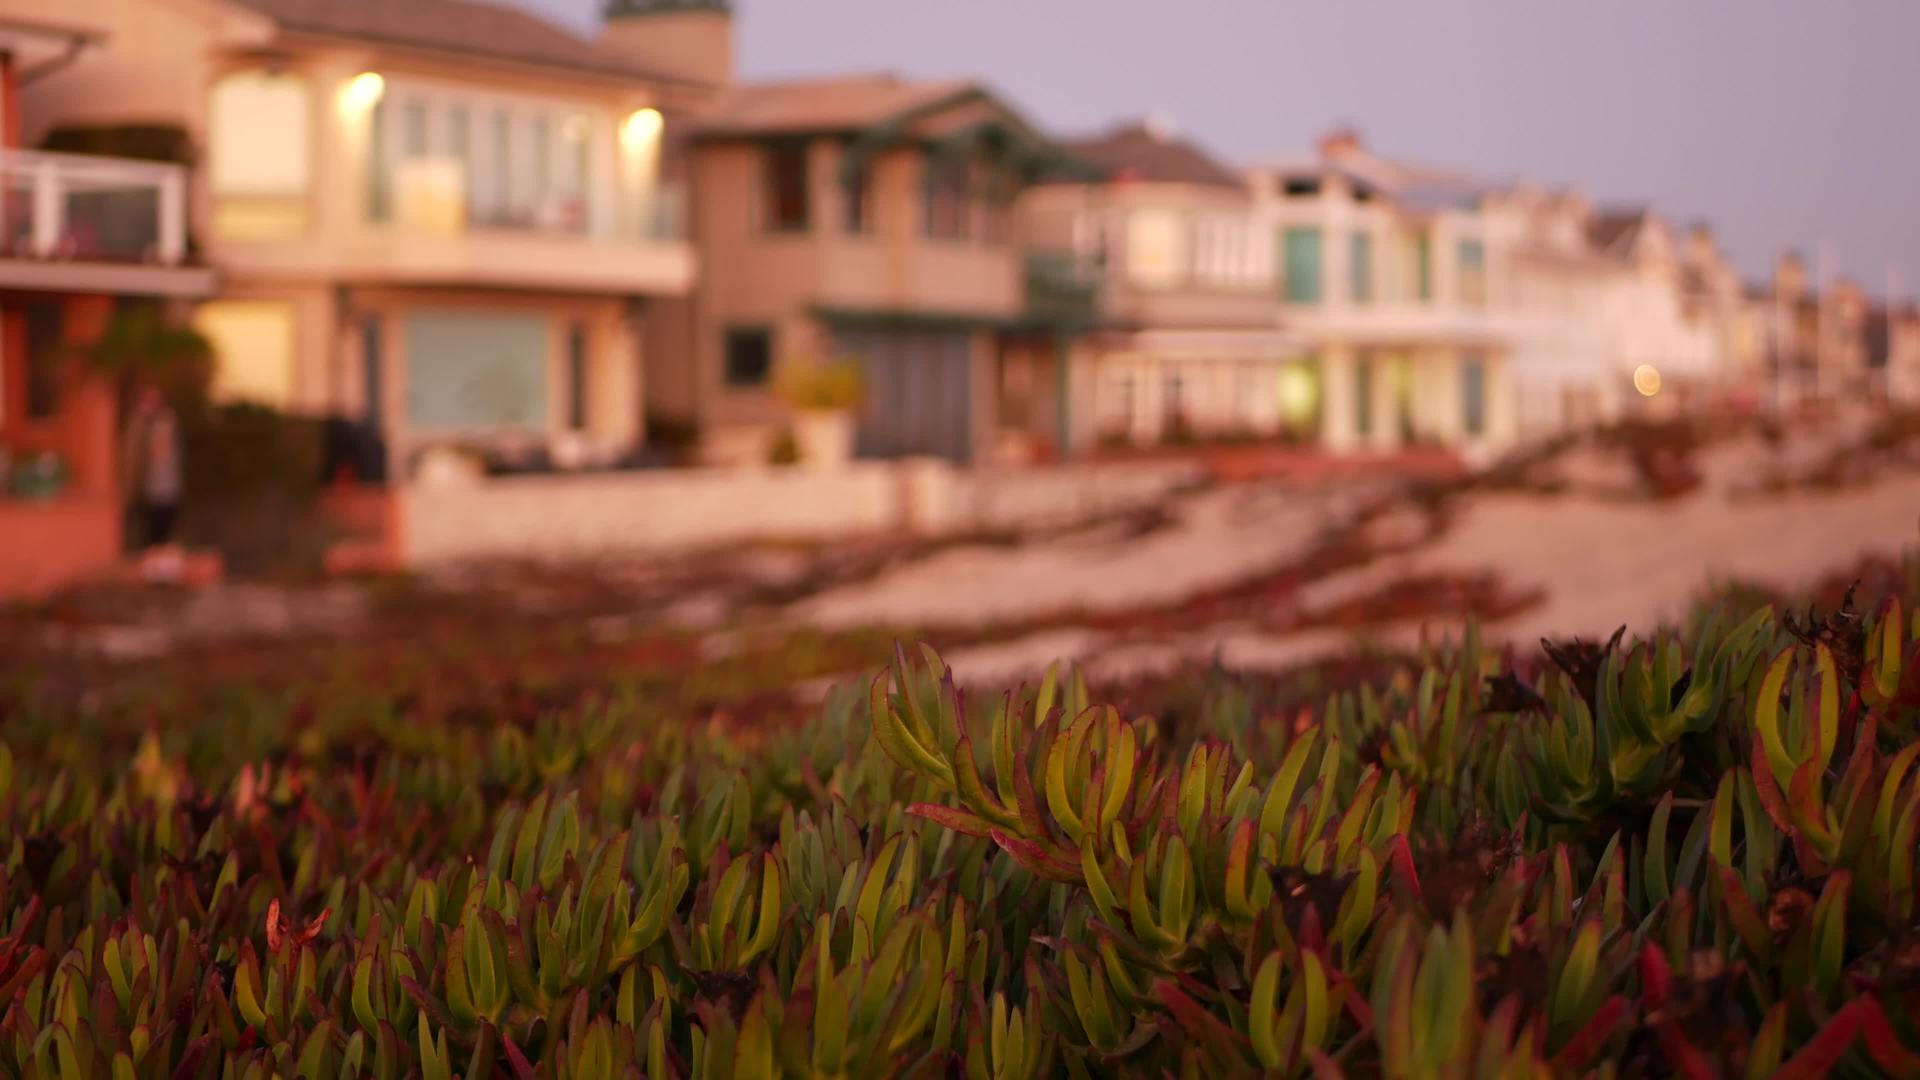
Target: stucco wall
561 517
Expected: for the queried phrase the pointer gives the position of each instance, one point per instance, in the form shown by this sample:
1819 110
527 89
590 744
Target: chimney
1339 142
1790 276
1159 127
679 39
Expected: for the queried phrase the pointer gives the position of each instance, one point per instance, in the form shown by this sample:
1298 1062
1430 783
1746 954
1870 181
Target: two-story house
1187 340
864 218
80 236
441 218
1666 351
1562 346
1385 268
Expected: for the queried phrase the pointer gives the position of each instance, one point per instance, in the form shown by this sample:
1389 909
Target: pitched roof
1138 152
1616 227
471 27
1417 187
840 103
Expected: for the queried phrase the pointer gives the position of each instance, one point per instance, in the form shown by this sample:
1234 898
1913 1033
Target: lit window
259 155
253 347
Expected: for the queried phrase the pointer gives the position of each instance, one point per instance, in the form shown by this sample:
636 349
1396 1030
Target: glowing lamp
1646 379
642 127
364 90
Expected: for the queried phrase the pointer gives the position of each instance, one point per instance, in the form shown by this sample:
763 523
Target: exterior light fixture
364 90
1646 379
642 127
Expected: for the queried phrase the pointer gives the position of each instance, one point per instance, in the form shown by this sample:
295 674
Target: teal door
476 370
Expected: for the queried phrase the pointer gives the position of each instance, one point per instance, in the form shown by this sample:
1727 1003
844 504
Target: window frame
1473 406
937 184
1294 289
773 155
1360 266
728 373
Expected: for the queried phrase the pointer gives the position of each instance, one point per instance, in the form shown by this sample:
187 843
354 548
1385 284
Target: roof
470 27
1141 154
1616 227
1420 188
841 103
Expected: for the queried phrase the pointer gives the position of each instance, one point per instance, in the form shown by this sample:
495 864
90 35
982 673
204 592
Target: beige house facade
864 218
442 221
1389 272
1186 342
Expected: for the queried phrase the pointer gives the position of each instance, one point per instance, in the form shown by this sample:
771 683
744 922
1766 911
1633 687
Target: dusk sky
1784 122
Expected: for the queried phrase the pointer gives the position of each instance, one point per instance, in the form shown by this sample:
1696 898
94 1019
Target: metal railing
81 208
1061 285
434 194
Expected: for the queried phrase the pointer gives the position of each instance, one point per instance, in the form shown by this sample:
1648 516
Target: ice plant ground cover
1689 854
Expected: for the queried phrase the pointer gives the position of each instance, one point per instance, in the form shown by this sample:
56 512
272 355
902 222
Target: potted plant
824 397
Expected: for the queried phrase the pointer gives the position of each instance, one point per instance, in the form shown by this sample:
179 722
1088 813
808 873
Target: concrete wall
559 517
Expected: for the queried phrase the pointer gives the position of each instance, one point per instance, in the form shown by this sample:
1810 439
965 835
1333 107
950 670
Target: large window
477 371
1300 255
1157 244
441 160
1423 267
577 376
1473 394
46 330
253 347
1360 267
946 199
749 356
856 193
373 371
788 192
259 154
1363 396
1473 273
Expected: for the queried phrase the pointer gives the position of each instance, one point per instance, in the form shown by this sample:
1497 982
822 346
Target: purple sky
1784 122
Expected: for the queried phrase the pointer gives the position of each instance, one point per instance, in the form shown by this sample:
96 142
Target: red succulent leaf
1686 1059
1324 1067
1038 859
1656 976
190 1058
1400 857
959 821
1883 1046
1196 1020
516 1061
1818 1057
1591 1036
1771 799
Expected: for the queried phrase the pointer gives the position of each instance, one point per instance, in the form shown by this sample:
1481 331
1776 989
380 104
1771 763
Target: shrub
785 449
833 387
1691 854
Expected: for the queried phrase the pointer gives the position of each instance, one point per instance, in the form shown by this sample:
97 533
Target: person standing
154 468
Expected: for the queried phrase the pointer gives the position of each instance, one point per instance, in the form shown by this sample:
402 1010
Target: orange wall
9 104
45 546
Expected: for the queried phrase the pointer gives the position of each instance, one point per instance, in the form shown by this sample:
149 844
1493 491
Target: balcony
426 230
77 223
1061 288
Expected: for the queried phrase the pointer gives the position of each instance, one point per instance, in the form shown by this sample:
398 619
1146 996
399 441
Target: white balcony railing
80 208
433 195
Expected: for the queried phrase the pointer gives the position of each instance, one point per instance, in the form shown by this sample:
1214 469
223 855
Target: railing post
49 210
172 241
